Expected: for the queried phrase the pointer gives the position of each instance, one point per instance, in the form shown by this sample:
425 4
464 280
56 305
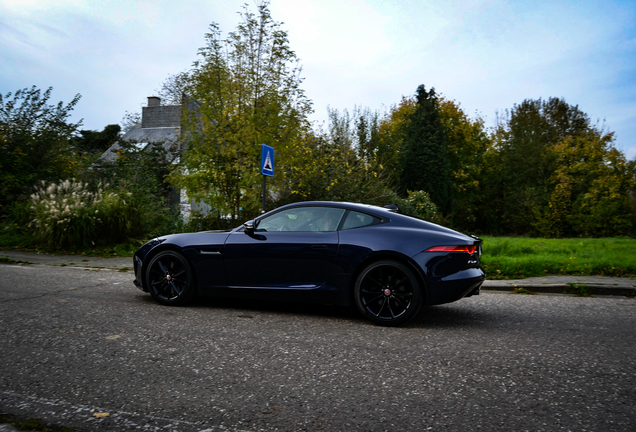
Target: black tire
170 279
388 293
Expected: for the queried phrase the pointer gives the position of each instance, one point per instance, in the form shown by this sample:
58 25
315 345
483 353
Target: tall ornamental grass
65 214
69 215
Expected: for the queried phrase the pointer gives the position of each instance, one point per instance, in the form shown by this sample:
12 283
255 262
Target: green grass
520 257
13 239
7 260
503 258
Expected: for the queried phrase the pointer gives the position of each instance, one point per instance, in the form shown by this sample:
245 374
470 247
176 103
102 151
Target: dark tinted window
302 219
356 220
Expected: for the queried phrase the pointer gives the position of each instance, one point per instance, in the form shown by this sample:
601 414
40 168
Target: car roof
380 211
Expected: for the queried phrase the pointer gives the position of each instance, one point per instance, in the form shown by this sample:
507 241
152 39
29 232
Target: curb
573 285
582 289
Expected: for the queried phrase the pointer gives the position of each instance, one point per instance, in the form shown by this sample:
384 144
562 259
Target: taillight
470 249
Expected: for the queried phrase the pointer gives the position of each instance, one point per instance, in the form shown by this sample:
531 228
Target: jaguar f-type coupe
386 263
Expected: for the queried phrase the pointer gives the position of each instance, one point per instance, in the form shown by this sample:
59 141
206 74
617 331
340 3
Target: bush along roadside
69 215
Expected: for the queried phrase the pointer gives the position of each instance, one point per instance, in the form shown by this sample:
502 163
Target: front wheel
388 293
170 279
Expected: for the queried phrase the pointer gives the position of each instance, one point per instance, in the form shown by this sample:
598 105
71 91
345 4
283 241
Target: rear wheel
170 279
388 293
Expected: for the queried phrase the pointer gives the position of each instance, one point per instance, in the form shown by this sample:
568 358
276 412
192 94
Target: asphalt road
75 342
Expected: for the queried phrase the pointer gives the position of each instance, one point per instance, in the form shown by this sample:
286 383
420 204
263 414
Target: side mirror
249 226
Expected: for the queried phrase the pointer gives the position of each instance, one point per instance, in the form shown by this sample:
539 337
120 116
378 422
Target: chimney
154 101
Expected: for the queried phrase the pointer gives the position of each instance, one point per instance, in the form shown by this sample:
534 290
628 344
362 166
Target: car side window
320 219
356 220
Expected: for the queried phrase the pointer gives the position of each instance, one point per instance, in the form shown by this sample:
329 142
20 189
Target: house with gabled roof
161 124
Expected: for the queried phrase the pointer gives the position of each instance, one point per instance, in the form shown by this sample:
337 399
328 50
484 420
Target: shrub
419 204
69 215
64 214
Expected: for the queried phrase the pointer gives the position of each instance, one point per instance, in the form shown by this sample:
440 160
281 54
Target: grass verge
520 257
24 242
7 260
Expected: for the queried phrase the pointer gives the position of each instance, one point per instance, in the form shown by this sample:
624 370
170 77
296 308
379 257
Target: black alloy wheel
388 293
170 279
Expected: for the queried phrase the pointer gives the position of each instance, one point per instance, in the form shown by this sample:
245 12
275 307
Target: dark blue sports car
385 263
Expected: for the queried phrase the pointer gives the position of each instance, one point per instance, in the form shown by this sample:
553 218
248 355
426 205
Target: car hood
190 239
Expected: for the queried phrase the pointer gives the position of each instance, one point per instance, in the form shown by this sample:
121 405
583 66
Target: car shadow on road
246 307
450 315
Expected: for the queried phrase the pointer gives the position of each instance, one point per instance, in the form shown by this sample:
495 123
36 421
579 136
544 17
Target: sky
485 55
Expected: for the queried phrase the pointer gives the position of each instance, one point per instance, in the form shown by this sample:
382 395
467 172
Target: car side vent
392 208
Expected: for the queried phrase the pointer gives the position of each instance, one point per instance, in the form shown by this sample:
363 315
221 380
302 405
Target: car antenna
392 208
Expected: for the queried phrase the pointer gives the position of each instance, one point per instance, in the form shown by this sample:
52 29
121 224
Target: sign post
267 168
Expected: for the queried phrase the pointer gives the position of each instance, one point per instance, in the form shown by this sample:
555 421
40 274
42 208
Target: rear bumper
455 286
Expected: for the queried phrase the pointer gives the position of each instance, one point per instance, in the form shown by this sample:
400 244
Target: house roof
159 124
167 136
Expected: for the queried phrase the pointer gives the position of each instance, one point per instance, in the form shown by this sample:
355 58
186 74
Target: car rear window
356 220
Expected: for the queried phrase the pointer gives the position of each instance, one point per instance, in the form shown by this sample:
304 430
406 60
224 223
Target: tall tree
425 164
589 189
392 133
34 142
340 128
248 90
331 170
94 142
559 173
468 145
174 89
367 126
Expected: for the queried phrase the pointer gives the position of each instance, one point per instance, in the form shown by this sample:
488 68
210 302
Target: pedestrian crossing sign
267 160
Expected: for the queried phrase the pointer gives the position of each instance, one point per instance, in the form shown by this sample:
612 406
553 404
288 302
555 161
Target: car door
292 249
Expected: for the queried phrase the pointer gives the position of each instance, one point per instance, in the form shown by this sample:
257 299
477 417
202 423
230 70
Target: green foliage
69 215
518 257
8 260
249 91
15 230
341 165
591 189
425 164
139 175
34 142
391 136
418 204
140 171
468 145
522 291
579 290
66 214
557 174
198 221
330 170
96 143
